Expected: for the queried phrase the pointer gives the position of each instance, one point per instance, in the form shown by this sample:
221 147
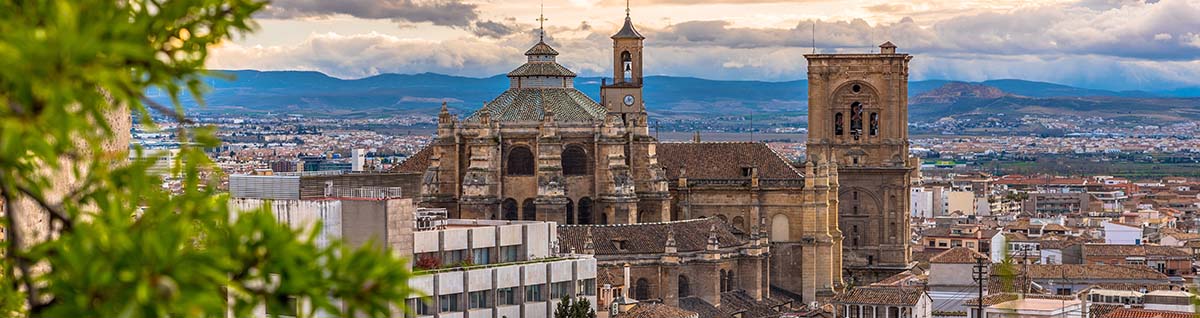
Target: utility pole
980 279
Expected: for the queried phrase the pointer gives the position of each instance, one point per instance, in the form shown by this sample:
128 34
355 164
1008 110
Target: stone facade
858 119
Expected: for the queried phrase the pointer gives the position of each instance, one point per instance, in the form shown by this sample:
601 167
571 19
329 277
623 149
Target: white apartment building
464 268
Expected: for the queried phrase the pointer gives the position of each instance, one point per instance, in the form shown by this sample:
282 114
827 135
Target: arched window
723 280
856 118
739 223
874 124
520 162
570 211
684 287
731 281
528 210
585 210
837 124
603 218
509 209
574 161
642 289
626 66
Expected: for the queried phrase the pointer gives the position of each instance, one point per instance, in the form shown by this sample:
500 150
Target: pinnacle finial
626 8
542 22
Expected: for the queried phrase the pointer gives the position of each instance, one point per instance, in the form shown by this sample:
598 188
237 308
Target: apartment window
449 303
478 299
534 293
453 258
421 306
510 253
587 287
560 289
506 296
971 244
1063 291
481 256
931 243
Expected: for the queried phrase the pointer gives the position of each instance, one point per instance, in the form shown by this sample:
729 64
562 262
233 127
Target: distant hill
959 99
316 94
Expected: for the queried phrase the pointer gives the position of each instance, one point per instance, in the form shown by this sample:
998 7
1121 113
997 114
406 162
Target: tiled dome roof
532 103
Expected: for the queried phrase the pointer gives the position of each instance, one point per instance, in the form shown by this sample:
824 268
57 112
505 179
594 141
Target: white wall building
1119 233
922 202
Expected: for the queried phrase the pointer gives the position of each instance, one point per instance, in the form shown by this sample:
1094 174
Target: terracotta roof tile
1093 250
699 306
723 160
647 238
1081 272
879 295
739 301
652 310
958 255
532 103
1147 313
417 162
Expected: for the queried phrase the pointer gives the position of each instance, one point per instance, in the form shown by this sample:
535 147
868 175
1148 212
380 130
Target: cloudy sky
1110 44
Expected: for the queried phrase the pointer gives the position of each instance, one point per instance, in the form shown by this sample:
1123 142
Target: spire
542 22
627 9
627 31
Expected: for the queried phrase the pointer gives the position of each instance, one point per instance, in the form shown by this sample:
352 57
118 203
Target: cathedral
738 216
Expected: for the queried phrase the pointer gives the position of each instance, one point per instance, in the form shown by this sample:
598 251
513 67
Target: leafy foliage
119 244
579 308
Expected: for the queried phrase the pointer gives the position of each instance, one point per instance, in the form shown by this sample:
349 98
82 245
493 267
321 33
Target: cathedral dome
541 86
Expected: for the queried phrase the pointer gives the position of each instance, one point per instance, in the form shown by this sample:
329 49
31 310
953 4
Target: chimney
625 290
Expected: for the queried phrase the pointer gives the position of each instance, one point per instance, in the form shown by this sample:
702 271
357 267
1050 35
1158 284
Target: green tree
579 308
113 243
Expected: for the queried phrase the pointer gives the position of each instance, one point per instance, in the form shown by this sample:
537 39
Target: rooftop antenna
542 22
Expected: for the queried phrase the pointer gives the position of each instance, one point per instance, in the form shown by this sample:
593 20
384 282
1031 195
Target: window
574 161
856 88
971 244
856 118
421 306
289 308
478 299
874 124
931 243
684 287
585 210
1063 291
520 162
481 256
747 171
641 290
534 293
560 289
506 296
453 258
449 303
509 209
587 287
837 124
510 253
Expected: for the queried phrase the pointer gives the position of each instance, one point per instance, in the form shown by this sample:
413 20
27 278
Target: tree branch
56 211
14 243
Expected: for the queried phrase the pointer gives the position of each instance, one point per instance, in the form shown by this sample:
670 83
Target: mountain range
316 94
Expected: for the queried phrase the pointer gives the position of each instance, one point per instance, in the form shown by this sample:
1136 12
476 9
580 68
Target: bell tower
624 95
858 120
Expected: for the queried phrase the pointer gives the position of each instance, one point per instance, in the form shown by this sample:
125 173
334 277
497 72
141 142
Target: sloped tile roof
1146 313
723 160
532 103
992 299
417 162
880 295
541 68
958 255
1082 272
1093 250
541 48
647 238
627 31
739 301
652 310
699 306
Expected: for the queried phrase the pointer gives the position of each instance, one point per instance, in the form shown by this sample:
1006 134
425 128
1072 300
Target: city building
883 302
545 151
